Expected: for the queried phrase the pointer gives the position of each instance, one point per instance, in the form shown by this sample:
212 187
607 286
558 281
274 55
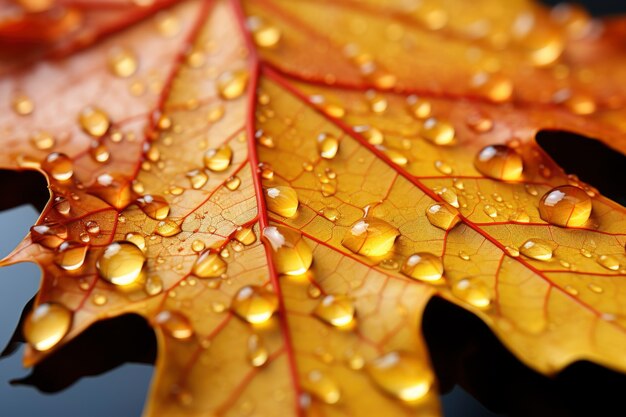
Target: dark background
97 375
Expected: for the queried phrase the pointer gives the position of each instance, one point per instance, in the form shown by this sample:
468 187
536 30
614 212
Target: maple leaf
280 187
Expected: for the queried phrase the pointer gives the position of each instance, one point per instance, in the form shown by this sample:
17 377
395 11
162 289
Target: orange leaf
280 187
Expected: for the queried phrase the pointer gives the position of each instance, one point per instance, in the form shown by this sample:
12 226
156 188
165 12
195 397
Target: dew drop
218 159
197 245
209 265
292 255
402 375
245 236
232 84
154 206
438 132
154 285
419 108
121 263
46 325
254 304
595 288
490 211
442 215
62 205
328 145
233 183
499 162
136 239
336 310
50 235
609 262
59 166
167 228
266 36
94 121
70 255
123 62
538 249
473 292
565 206
371 236
282 200
321 387
23 105
423 266
330 213
197 178
43 140
175 324
257 352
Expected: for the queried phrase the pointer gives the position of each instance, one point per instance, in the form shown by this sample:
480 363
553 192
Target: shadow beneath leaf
589 159
465 352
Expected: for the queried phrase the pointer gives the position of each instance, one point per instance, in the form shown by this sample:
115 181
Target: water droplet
155 207
99 299
443 167
442 215
566 206
464 255
136 239
197 178
292 254
167 228
423 266
43 140
232 84
46 325
121 263
396 157
336 310
282 200
233 183
154 285
322 387
328 145
123 62
218 159
374 136
438 132
70 255
245 236
330 213
496 87
371 236
255 304
402 375
23 105
419 108
609 262
62 205
257 352
538 249
499 162
94 121
209 265
490 211
50 235
175 324
473 292
266 36
59 166
595 288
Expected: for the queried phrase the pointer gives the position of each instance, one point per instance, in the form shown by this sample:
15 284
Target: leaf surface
345 336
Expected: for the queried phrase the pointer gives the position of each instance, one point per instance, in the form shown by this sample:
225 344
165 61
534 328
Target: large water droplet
46 325
70 255
209 265
371 236
121 263
402 375
499 162
566 206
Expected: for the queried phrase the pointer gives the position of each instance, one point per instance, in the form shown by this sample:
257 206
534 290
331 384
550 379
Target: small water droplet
473 292
46 325
282 200
197 178
265 35
565 206
418 107
233 183
538 249
336 310
123 62
154 206
94 121
59 166
292 255
499 162
70 255
50 235
154 285
371 236
209 265
257 352
245 236
43 140
167 228
438 132
232 84
136 239
218 159
609 262
255 304
423 266
328 145
175 324
402 375
23 105
321 387
442 215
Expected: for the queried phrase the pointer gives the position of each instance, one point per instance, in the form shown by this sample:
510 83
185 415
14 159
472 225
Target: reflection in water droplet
154 206
371 236
292 255
423 266
282 200
609 262
209 265
499 162
70 255
167 228
565 206
121 263
442 215
328 145
46 325
245 236
197 178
